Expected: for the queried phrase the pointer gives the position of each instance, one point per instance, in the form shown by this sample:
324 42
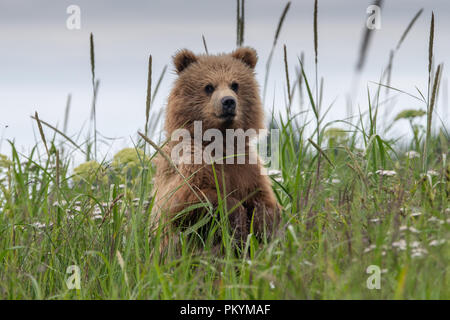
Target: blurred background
42 61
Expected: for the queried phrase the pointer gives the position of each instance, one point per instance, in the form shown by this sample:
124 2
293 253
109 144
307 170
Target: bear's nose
228 105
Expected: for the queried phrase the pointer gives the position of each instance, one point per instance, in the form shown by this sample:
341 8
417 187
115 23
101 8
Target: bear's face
220 91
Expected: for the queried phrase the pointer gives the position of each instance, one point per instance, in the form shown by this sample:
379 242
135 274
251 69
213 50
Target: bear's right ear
183 59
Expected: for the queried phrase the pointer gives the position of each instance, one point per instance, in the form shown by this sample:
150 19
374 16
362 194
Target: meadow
352 198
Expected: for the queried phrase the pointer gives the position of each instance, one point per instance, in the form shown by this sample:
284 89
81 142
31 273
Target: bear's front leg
233 210
265 211
238 219
266 219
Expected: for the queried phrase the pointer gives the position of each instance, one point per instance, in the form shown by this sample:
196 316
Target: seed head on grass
408 28
92 56
149 94
240 22
66 113
204 45
280 23
275 39
436 84
60 133
433 93
41 132
431 45
316 44
95 85
286 70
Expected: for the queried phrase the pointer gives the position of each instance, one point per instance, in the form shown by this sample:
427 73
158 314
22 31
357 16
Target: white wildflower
418 252
62 203
411 229
401 244
370 248
416 214
412 154
436 243
432 173
387 173
434 219
97 210
414 244
39 225
276 175
274 172
306 262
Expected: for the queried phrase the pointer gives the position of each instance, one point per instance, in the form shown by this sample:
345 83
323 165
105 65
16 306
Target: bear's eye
209 89
235 86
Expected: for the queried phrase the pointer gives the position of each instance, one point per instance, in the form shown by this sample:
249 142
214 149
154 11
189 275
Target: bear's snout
228 106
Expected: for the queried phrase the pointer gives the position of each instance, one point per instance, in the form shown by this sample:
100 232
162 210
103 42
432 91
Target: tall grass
95 85
149 94
275 40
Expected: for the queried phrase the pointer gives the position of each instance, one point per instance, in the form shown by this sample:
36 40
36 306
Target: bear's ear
246 55
183 59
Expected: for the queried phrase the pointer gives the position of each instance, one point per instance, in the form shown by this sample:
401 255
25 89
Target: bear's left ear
246 55
183 59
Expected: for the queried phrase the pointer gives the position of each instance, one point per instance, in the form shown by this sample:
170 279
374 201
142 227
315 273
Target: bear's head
219 90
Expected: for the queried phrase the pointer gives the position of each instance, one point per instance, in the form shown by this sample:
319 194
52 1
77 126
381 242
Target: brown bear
220 92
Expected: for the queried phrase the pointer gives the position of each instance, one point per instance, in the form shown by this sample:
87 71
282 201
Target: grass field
352 198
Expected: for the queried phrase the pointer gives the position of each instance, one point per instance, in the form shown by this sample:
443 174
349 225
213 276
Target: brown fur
245 190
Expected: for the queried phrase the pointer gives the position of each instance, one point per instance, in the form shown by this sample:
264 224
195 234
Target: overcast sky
41 61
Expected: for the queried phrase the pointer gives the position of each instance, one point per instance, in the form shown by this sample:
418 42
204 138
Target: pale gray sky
41 61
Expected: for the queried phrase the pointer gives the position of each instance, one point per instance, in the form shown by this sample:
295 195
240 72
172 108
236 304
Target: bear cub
219 92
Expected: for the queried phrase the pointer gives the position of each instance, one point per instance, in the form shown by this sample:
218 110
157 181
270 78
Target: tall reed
149 94
95 85
275 40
